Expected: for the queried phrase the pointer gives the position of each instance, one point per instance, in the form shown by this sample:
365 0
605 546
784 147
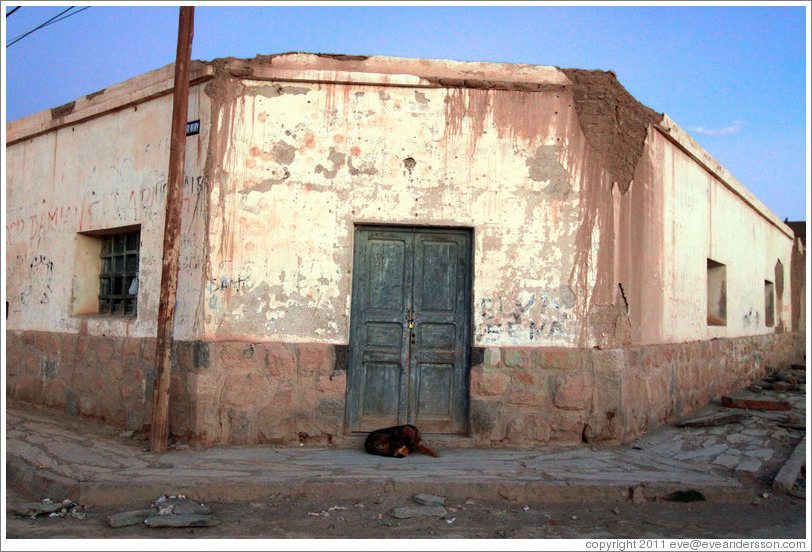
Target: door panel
434 395
380 382
410 329
440 314
436 275
386 273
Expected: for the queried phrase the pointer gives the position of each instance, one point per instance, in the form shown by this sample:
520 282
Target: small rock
616 510
125 519
765 495
127 434
637 494
407 512
34 509
185 520
47 507
183 506
574 517
179 446
429 499
756 501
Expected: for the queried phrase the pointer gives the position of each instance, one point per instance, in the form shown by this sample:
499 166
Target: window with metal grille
118 280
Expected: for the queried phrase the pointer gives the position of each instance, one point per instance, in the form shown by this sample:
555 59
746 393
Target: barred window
118 280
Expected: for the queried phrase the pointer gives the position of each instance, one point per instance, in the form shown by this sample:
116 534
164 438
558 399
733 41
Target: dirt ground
312 517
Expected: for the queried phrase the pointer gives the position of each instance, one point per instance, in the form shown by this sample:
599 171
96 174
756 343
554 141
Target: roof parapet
140 89
676 135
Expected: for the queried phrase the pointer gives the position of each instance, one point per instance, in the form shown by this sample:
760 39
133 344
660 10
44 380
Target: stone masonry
284 393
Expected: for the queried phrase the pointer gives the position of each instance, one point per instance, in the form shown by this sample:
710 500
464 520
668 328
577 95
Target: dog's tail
425 450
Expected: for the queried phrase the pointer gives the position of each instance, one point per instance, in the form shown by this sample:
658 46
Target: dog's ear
410 433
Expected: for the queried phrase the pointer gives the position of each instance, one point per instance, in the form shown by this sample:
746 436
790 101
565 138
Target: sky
734 76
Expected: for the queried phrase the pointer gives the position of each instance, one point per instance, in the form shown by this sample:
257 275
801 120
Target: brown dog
396 441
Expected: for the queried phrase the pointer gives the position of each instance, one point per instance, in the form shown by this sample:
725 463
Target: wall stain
544 166
336 159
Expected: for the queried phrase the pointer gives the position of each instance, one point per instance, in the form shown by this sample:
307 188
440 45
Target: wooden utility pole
171 252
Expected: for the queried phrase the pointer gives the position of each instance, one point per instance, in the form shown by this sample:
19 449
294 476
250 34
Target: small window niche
106 278
717 294
769 303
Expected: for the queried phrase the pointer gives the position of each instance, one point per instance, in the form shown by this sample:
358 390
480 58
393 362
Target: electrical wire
12 11
22 36
55 19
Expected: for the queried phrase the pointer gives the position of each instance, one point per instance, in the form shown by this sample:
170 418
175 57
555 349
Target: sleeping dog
396 441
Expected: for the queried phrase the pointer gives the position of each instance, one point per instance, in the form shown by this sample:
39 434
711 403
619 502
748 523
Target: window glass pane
118 278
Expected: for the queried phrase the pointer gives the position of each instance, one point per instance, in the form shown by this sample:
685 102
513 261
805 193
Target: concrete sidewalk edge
44 483
788 474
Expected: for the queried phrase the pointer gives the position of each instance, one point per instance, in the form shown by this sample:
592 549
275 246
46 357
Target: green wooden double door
410 329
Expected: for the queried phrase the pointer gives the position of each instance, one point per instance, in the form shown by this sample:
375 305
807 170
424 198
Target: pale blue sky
733 76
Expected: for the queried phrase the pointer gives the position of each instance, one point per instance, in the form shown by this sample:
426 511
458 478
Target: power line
22 36
55 19
12 11
70 14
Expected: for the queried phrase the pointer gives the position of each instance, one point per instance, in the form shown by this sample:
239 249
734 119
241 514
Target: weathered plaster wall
299 163
677 215
101 173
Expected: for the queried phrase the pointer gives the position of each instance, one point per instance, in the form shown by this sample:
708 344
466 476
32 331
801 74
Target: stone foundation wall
524 397
284 394
105 377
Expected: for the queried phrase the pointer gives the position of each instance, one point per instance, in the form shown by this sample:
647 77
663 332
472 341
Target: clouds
730 129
